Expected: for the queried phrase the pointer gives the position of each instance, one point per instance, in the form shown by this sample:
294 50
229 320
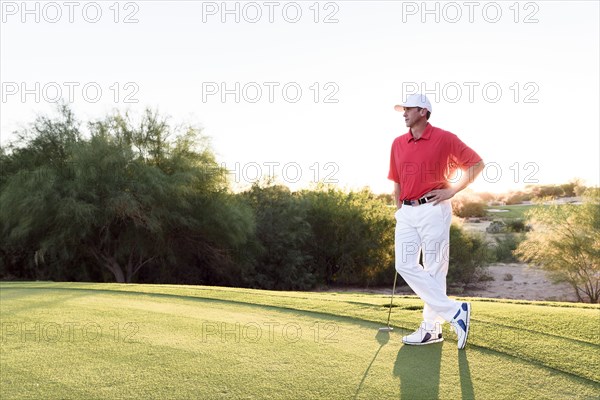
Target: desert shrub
517 225
469 255
505 246
468 209
517 198
496 227
565 241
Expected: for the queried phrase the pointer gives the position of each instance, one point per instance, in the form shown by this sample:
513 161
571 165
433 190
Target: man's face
413 114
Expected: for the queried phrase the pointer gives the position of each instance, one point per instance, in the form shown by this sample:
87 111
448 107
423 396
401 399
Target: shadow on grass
382 338
466 384
419 370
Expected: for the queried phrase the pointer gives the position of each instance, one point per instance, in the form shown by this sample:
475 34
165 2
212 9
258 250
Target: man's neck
418 129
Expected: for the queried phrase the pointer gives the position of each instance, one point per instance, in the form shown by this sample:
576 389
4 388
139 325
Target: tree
565 241
37 153
124 199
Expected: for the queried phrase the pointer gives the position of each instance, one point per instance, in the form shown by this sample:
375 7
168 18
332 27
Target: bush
352 236
496 227
468 209
517 198
517 225
323 236
565 241
505 247
282 232
469 255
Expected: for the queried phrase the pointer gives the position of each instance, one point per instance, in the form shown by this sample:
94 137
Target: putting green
87 341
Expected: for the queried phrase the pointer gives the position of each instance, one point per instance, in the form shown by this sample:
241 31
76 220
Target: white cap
415 100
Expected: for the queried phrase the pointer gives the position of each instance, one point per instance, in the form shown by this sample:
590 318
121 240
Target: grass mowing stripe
582 324
538 332
323 314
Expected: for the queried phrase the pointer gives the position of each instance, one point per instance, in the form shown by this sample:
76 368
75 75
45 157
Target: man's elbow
480 166
476 170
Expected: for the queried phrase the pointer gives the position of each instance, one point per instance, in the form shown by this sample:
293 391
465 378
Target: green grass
100 341
516 211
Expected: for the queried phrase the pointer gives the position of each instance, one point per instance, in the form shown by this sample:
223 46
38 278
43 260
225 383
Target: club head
386 329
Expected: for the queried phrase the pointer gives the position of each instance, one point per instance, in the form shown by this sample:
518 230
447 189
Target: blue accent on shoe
458 312
426 338
464 306
462 324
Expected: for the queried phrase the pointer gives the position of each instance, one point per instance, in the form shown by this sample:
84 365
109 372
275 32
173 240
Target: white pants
426 228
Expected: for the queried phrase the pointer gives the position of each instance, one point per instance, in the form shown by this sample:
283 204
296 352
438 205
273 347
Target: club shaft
392 298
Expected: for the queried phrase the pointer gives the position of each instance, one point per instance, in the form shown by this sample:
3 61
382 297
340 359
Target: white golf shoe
424 336
460 324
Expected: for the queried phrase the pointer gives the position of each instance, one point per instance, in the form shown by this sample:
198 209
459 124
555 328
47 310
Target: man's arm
397 195
469 176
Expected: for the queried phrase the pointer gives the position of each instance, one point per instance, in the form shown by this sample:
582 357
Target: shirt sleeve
393 173
462 154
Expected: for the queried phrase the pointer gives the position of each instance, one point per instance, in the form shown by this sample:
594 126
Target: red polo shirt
426 164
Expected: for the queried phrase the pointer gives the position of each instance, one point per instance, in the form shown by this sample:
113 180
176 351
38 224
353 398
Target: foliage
282 232
505 247
487 197
547 191
496 227
517 225
517 197
137 200
572 188
124 199
469 255
566 242
352 235
467 209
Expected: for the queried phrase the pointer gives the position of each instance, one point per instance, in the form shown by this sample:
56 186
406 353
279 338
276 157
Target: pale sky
516 81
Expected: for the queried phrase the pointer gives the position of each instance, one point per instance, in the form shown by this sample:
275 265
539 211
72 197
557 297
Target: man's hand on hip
439 195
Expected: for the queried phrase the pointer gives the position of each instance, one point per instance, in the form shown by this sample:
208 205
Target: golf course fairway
118 341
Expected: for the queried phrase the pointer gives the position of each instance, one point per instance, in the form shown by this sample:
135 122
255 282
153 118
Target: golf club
388 328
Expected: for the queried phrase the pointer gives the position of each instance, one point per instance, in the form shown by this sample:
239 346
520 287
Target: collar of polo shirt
426 133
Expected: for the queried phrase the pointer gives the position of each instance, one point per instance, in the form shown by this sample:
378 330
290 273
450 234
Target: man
422 162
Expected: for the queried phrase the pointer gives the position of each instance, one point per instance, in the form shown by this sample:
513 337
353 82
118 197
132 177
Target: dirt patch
516 281
479 227
521 282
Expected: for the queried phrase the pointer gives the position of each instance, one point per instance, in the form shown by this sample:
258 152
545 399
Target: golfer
422 162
